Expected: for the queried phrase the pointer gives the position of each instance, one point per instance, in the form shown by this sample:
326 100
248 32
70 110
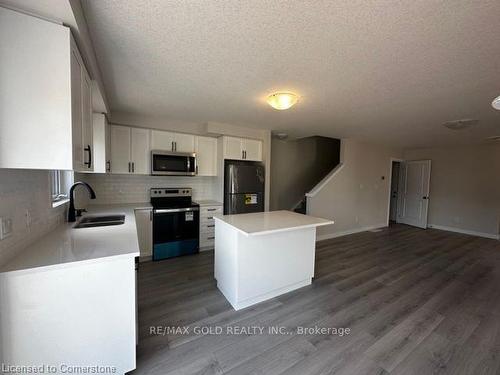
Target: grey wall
357 196
297 166
465 187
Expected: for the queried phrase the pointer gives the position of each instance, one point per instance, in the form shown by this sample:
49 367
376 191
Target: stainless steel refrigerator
243 187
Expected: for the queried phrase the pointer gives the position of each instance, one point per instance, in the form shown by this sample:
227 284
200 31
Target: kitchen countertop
260 223
208 202
66 245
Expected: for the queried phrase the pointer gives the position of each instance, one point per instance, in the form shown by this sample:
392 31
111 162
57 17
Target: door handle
89 163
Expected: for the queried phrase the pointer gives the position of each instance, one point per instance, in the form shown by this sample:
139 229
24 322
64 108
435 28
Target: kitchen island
262 255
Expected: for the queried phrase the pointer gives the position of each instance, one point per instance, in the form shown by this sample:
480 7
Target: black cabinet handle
211 209
108 166
133 167
210 226
210 238
89 163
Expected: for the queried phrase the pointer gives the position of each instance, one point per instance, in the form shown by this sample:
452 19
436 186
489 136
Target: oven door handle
168 210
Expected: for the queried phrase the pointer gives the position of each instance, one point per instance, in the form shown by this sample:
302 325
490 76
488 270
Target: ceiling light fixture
282 100
496 103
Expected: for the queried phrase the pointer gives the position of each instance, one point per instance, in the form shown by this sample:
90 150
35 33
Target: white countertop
208 202
260 223
66 245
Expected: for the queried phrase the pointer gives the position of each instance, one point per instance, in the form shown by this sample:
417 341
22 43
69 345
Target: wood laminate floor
415 301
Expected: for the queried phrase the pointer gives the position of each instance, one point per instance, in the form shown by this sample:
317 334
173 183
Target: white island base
259 256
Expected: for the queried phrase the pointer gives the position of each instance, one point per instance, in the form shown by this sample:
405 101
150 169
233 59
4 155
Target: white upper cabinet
242 149
130 150
140 153
169 141
206 156
120 149
100 136
45 96
233 148
252 149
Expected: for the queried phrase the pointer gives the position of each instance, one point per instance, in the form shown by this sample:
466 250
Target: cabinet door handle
89 163
211 209
172 146
133 167
196 169
151 215
108 166
210 238
128 167
210 218
175 144
211 226
242 154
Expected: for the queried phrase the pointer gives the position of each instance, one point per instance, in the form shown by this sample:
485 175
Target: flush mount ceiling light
496 103
282 100
460 124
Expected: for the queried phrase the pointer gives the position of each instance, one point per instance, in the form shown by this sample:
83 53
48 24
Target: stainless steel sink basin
100 221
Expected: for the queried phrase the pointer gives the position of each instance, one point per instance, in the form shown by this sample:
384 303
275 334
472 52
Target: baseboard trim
465 231
328 236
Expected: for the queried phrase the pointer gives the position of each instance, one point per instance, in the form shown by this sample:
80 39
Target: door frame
389 189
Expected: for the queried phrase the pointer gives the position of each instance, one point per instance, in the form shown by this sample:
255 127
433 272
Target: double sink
100 221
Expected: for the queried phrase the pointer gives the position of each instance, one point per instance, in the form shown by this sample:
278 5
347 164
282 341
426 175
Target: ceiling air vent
460 124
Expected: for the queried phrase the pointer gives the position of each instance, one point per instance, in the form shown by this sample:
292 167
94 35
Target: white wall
24 191
115 188
465 187
356 198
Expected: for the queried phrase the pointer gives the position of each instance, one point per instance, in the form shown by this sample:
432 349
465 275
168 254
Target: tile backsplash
25 199
114 188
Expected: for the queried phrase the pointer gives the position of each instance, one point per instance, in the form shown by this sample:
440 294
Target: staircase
301 208
297 166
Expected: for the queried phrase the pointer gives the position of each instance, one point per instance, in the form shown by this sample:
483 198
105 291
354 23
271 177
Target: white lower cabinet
207 225
144 224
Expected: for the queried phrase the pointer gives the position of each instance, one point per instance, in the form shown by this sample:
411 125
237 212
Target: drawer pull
210 226
210 238
211 209
210 218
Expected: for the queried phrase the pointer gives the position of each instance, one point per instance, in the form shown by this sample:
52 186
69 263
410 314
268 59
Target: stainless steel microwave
168 163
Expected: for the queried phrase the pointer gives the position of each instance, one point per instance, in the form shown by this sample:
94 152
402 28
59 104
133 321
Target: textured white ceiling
386 71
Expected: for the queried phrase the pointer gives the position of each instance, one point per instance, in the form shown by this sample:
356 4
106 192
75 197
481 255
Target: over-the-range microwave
168 163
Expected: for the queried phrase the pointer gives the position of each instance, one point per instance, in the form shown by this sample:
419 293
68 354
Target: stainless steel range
176 222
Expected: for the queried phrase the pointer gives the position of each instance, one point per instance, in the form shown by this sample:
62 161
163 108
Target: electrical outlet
5 227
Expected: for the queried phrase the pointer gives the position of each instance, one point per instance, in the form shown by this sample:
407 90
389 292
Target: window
60 183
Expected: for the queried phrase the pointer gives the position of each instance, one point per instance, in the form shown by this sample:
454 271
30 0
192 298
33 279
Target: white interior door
415 176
